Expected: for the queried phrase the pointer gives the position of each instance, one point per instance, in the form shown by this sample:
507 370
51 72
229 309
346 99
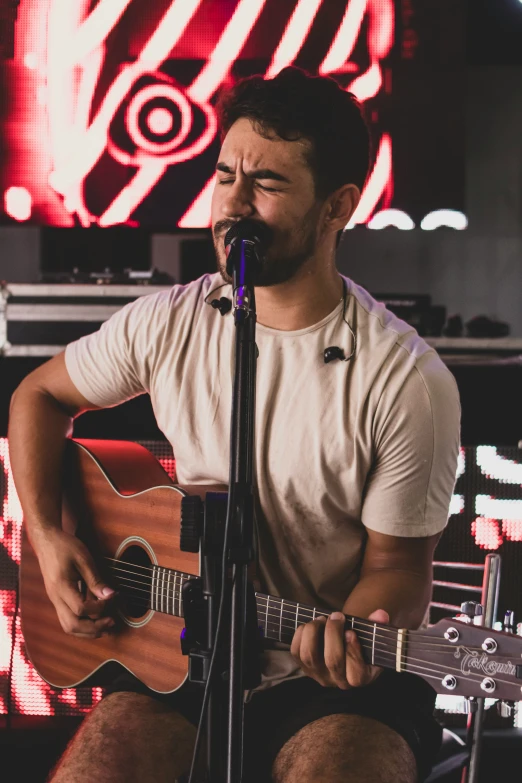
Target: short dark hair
296 105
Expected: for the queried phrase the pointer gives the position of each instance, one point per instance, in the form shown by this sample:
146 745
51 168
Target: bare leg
128 738
345 748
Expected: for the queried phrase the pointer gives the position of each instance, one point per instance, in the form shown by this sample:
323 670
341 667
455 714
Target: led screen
486 516
108 118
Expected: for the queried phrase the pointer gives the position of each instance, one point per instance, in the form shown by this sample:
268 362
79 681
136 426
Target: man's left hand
332 655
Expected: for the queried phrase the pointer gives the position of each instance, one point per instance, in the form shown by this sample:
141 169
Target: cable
219 625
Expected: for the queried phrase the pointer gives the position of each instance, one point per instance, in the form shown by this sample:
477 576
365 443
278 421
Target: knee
345 748
125 707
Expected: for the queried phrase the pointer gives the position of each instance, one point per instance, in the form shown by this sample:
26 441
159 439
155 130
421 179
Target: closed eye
263 187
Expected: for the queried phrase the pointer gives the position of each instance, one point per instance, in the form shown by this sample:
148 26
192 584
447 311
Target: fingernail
349 636
107 591
337 616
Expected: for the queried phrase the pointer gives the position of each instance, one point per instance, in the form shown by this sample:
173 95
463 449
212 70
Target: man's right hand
64 561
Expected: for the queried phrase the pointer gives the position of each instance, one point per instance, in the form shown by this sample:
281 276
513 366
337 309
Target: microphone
333 352
245 244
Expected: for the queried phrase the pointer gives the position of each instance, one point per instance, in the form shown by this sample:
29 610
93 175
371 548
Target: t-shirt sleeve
114 364
417 437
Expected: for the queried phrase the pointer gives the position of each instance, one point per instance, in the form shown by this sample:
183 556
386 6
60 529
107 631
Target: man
354 467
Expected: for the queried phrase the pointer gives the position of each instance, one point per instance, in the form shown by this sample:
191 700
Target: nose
238 200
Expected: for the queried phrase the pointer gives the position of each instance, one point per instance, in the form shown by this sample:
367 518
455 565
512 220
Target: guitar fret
162 588
296 615
152 587
281 620
373 642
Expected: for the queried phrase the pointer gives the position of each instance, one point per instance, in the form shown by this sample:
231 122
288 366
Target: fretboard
279 620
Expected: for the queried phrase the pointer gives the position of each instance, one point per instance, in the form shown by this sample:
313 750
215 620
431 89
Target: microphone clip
224 305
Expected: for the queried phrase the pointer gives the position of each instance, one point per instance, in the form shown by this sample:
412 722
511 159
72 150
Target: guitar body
116 495
120 502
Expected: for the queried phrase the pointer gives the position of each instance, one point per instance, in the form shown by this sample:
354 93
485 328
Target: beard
287 254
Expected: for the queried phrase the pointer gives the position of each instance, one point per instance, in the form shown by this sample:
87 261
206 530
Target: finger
80 607
334 650
91 577
72 624
296 643
311 651
356 667
93 607
358 671
380 616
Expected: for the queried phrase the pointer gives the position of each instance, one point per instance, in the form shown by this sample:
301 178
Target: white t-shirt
340 447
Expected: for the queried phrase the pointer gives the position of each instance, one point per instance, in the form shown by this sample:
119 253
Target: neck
304 300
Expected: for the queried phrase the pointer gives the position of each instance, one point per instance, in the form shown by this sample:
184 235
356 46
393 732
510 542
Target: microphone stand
232 545
241 538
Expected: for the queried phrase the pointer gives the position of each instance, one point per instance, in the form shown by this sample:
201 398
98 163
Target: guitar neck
280 619
162 588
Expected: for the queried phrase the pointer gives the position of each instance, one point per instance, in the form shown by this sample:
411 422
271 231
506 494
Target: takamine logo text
473 660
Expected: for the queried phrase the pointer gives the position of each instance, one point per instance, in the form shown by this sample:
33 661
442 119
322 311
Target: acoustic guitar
118 499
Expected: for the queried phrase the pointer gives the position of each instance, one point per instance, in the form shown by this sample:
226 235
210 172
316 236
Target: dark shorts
404 702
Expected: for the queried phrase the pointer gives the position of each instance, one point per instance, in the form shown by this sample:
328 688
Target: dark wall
479 270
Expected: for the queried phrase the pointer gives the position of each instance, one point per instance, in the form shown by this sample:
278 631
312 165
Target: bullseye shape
160 121
180 104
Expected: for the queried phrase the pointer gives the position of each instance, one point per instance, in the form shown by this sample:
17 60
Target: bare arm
41 415
396 576
395 585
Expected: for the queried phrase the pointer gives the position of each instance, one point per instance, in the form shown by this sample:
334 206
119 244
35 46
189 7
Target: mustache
222 226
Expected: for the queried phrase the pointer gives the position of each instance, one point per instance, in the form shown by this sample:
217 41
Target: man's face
268 180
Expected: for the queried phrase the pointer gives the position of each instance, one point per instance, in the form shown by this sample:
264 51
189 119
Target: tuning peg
506 709
509 622
472 610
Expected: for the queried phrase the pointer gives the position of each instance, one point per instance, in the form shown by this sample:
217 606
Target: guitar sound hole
134 579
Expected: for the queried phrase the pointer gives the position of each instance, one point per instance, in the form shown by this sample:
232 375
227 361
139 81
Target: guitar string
390 633
409 660
303 611
412 663
176 596
361 633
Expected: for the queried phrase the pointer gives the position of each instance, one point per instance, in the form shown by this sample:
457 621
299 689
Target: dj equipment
40 319
417 310
111 489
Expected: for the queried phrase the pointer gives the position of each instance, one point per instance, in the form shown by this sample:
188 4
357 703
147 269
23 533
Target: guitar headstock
464 659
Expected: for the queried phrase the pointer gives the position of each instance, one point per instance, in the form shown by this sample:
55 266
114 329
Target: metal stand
237 665
489 601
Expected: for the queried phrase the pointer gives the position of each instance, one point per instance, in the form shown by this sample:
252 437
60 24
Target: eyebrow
257 174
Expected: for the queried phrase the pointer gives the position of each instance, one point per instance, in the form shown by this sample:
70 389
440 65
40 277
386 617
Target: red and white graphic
497 518
110 119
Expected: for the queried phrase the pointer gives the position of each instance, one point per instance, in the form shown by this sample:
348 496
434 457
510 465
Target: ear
342 204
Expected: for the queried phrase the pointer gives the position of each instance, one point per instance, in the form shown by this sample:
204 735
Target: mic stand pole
241 539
